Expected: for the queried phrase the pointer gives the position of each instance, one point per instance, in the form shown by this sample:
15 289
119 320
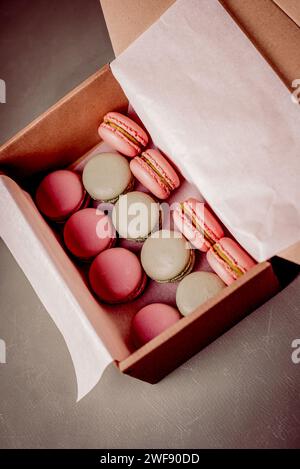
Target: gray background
241 391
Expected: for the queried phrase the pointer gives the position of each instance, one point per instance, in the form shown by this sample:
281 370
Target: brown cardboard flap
128 19
274 34
291 8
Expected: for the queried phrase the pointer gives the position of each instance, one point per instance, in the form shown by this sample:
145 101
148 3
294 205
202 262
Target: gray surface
241 391
46 49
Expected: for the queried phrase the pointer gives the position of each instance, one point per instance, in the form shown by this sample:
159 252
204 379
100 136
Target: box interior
57 139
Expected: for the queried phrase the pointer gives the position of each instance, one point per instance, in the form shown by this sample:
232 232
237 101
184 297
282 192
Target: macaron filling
125 130
229 263
208 236
187 269
164 178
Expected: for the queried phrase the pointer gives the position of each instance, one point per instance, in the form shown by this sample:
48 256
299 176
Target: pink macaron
197 224
229 260
155 173
88 232
151 320
123 134
60 194
116 276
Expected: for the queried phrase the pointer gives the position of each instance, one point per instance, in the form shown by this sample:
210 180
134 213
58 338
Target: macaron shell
88 232
106 176
118 141
116 275
151 321
237 253
147 176
60 194
130 126
165 255
195 289
183 224
162 165
234 251
135 215
220 267
204 218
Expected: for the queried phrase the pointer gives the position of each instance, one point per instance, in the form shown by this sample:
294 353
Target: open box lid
268 24
273 32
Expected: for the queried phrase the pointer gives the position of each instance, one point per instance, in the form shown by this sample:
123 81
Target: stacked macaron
116 274
202 229
123 134
197 224
155 173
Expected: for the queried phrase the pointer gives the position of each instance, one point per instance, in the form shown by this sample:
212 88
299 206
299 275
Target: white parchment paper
32 244
213 104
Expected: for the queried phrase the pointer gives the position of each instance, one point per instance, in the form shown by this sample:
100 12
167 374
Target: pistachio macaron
195 289
136 215
106 176
167 256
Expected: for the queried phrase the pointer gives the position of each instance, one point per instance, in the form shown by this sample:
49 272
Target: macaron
155 173
88 232
195 289
123 134
151 321
197 223
229 260
116 276
136 215
60 194
167 256
106 176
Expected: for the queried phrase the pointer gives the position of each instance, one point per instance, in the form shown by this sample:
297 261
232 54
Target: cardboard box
59 137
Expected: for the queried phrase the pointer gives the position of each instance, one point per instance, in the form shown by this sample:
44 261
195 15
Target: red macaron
88 232
116 276
151 321
60 194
